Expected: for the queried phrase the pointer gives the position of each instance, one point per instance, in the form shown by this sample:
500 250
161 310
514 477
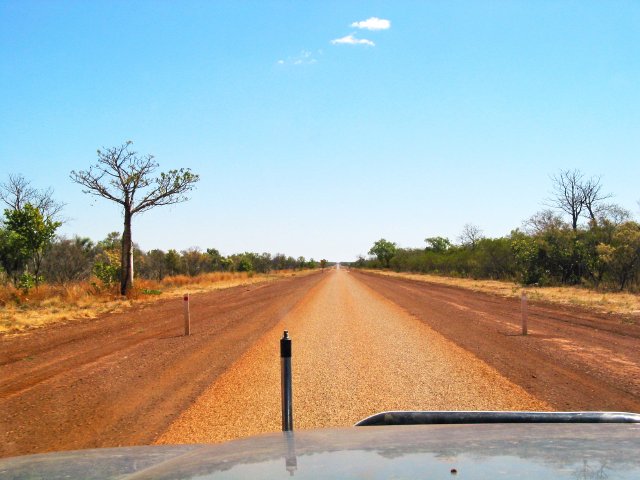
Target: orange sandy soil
362 343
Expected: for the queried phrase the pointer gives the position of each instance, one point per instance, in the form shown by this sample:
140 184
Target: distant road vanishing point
362 343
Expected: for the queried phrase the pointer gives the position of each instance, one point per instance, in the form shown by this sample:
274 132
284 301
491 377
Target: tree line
60 260
76 259
31 252
580 239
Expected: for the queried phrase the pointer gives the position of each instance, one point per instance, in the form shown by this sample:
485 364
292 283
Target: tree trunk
126 260
37 262
623 280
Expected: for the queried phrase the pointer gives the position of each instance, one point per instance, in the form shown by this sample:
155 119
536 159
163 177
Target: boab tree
124 177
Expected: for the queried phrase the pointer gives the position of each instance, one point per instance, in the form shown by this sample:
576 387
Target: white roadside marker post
187 319
525 313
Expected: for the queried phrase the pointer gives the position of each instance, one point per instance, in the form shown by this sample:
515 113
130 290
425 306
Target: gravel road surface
574 359
362 343
123 378
355 353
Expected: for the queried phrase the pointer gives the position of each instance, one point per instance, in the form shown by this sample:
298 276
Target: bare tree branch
17 191
471 235
568 195
592 196
575 195
543 221
613 213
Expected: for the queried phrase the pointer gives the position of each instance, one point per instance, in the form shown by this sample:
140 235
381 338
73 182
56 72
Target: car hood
531 451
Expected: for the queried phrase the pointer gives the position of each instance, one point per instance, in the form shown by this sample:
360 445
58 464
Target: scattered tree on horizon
119 175
567 194
573 194
24 238
438 244
470 236
384 251
28 229
603 252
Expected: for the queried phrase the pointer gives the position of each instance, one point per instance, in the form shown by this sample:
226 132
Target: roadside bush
107 273
601 255
27 281
69 260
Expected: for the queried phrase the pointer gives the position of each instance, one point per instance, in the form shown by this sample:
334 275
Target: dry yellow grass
609 302
61 303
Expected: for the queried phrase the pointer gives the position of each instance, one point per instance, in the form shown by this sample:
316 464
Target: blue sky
314 134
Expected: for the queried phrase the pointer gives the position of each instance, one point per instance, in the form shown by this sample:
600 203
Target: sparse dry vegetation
52 303
603 301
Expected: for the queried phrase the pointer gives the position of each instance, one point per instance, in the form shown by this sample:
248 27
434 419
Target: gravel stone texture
355 353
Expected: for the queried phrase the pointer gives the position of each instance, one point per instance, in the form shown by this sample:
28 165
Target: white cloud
303 58
351 40
373 23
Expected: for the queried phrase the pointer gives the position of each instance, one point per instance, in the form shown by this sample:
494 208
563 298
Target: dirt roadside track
370 343
574 359
354 354
123 378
